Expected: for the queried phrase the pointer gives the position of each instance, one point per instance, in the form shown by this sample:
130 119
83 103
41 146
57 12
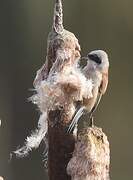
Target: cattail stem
62 52
91 157
58 17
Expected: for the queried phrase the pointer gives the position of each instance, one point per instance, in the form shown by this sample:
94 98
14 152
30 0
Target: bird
97 70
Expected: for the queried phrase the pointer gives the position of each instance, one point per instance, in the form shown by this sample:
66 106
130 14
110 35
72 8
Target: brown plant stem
90 160
63 51
91 157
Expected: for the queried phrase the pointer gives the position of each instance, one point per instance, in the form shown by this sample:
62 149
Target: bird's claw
92 121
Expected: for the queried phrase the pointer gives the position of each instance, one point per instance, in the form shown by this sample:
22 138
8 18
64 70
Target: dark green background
98 24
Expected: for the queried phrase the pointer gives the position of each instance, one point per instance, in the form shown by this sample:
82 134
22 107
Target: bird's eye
95 58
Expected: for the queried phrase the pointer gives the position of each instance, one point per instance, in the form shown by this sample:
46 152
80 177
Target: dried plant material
91 156
34 140
58 17
69 85
64 85
59 86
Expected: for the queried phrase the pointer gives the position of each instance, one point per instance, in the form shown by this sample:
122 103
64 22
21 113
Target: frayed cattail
34 140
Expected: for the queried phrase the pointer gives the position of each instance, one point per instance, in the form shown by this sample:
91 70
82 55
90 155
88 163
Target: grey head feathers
99 58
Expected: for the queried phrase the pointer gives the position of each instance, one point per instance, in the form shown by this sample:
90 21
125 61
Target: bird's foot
92 121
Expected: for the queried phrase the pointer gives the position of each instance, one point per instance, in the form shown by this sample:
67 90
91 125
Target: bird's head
100 59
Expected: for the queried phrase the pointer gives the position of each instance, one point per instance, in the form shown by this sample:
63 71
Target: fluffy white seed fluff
33 141
69 83
60 87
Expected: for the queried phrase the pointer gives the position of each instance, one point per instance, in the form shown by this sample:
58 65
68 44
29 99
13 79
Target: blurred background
98 24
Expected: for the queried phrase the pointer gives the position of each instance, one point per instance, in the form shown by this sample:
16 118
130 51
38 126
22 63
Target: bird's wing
102 90
95 105
104 82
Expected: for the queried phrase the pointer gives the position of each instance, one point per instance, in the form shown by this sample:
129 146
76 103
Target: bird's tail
76 118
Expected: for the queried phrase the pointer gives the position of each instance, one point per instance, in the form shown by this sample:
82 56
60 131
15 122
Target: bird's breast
90 102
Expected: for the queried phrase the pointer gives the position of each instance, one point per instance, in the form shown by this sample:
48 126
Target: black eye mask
95 58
